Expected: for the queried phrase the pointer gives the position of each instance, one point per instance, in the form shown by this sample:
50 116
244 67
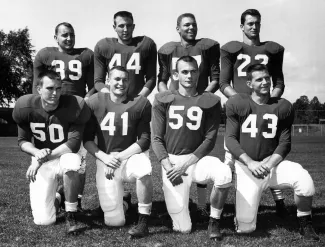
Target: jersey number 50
40 134
194 113
253 130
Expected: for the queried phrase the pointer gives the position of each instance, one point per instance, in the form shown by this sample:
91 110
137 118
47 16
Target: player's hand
109 173
42 155
32 171
176 172
258 170
112 161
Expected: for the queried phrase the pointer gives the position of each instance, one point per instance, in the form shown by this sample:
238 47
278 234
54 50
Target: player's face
187 29
118 82
65 38
50 91
260 83
187 74
124 28
252 26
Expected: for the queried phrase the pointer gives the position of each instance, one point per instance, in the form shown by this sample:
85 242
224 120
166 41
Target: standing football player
55 122
185 125
258 134
207 53
137 54
237 56
122 126
76 68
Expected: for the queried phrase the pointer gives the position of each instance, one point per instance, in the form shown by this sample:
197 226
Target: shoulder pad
232 46
273 47
26 100
165 97
207 43
168 47
238 99
208 100
148 39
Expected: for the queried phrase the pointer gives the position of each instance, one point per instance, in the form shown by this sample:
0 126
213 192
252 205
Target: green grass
17 227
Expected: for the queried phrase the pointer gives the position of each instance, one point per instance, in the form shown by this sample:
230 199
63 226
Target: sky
297 25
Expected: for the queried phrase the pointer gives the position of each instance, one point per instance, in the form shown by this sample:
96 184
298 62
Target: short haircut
255 67
123 14
188 59
47 73
180 18
119 68
252 12
66 24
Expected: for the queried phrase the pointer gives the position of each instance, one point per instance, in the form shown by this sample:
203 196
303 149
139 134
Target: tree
16 65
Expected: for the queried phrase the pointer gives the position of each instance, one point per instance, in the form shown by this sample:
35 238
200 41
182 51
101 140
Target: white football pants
205 170
287 175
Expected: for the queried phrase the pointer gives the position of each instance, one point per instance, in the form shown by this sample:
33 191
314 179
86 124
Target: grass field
17 227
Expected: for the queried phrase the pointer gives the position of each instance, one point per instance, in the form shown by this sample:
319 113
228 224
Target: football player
185 125
122 126
137 54
50 127
76 68
258 134
237 56
207 54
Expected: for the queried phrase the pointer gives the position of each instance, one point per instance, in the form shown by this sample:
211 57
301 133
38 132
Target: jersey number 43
250 125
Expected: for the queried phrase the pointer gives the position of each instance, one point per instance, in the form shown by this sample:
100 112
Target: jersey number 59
194 113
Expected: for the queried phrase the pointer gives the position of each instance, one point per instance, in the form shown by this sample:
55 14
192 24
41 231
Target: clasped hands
112 162
41 156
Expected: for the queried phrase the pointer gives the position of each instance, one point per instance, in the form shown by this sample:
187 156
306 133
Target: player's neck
49 107
260 99
251 42
187 43
124 42
65 51
187 92
117 98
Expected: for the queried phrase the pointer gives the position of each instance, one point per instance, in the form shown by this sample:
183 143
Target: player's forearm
277 92
127 153
29 148
93 149
166 164
274 160
245 159
145 92
90 92
162 86
229 91
193 159
212 87
59 151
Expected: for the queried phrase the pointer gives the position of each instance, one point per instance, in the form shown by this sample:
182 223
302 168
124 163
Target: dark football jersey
258 130
139 58
51 129
205 51
118 126
76 69
237 56
183 125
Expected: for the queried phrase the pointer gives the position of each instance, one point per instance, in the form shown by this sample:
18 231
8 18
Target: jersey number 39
249 125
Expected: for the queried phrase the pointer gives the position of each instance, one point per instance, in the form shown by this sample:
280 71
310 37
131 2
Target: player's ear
38 88
177 29
56 38
241 27
175 76
249 84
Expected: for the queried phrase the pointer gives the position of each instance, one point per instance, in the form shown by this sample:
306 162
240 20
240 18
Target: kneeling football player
258 134
56 123
185 126
122 126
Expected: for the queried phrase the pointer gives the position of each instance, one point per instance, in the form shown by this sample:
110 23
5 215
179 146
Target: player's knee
244 226
115 218
70 162
143 168
304 185
222 175
44 218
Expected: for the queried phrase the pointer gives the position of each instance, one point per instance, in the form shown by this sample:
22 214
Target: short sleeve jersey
76 69
118 126
205 51
139 58
183 125
237 56
258 130
50 129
